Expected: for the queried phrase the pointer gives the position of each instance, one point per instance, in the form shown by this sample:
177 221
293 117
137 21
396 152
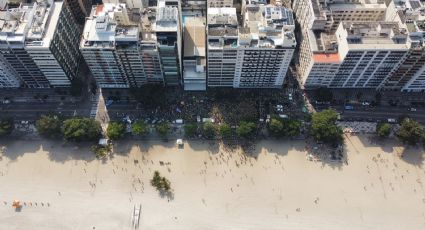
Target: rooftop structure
194 56
255 54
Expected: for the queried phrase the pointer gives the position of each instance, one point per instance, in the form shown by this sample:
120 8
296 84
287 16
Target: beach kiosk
179 143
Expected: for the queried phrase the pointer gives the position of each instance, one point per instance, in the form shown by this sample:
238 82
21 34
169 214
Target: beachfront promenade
273 187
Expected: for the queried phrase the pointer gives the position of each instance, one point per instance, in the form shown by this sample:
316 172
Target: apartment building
169 38
110 46
369 53
37 44
80 9
194 55
319 21
222 44
255 54
410 76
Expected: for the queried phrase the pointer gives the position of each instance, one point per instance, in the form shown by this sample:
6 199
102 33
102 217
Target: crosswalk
94 104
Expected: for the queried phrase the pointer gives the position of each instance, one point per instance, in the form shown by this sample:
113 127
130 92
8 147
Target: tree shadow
388 145
413 155
199 145
58 151
166 194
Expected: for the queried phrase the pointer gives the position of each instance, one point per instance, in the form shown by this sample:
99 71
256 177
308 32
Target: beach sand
274 187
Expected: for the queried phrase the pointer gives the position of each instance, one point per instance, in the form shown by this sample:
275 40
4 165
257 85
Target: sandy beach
275 187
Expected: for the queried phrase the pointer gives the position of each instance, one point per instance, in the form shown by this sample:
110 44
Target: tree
6 126
284 127
49 125
323 127
410 132
208 129
160 183
162 128
275 127
225 130
245 129
115 130
190 129
139 128
383 129
81 129
291 127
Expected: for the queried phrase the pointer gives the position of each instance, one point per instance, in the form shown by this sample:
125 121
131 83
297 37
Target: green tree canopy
284 127
140 128
323 127
81 129
225 130
383 129
6 126
190 129
245 129
163 128
208 129
275 126
410 132
49 125
115 130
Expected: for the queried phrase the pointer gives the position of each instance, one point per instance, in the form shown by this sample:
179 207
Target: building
80 9
222 44
255 54
410 76
110 46
194 55
169 38
369 53
320 20
37 44
219 3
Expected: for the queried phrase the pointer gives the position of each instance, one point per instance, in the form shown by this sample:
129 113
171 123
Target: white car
290 96
412 109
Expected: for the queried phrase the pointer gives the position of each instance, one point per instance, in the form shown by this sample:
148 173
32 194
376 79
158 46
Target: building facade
256 54
38 44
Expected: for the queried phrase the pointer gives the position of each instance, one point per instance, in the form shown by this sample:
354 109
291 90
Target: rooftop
34 24
106 25
194 37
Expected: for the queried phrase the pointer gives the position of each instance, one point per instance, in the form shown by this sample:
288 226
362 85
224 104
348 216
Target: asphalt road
31 111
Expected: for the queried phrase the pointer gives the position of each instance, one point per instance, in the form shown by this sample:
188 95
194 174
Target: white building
256 54
319 21
369 53
110 46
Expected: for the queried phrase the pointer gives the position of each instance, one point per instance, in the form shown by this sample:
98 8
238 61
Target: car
6 101
290 96
391 120
412 109
365 103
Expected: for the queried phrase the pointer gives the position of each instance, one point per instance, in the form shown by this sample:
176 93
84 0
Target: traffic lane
382 116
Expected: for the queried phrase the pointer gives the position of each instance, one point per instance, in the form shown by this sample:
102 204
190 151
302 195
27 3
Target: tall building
319 21
80 9
410 76
110 46
368 53
37 44
194 55
169 38
256 54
